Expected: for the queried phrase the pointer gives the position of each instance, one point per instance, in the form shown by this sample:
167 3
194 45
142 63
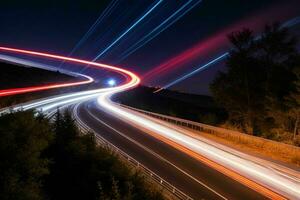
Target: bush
23 139
43 160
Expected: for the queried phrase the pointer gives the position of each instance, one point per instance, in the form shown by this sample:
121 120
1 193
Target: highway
199 169
185 173
192 177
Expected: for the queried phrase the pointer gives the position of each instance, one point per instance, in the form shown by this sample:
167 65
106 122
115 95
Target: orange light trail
257 177
164 134
234 175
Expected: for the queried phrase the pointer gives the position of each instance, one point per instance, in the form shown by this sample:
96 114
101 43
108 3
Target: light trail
15 91
75 110
185 57
258 177
160 28
128 30
105 13
134 80
48 104
287 24
292 22
199 69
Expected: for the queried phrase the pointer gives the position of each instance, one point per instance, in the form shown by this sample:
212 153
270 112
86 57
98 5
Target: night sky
58 25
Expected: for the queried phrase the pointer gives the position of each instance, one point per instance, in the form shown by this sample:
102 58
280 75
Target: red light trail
213 44
15 91
233 166
185 57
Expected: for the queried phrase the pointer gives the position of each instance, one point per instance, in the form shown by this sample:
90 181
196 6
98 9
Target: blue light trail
105 13
129 29
102 16
289 23
203 67
160 28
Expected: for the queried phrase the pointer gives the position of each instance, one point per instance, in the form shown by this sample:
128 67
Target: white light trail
74 97
257 176
285 185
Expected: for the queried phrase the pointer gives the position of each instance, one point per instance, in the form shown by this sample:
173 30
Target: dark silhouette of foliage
236 89
293 105
43 160
259 77
11 74
23 138
86 171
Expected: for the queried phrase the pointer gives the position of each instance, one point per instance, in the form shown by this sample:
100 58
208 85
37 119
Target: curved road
176 164
187 174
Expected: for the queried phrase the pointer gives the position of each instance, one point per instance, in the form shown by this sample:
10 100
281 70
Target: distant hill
193 107
13 76
16 76
194 99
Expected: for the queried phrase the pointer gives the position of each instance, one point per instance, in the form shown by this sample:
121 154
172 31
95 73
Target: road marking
154 154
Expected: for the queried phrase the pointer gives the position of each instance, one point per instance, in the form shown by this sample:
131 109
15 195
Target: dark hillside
13 76
198 108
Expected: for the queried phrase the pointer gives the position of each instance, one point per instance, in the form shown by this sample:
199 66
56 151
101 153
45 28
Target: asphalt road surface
184 172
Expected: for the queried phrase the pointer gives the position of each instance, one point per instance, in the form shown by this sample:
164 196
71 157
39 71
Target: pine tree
294 105
102 196
259 78
23 138
115 193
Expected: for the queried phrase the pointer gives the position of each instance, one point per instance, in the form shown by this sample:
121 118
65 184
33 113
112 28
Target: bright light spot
111 82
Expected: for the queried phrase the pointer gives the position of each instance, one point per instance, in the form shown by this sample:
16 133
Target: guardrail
150 174
277 147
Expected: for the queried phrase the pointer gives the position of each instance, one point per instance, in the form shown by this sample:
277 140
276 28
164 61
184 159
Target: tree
40 159
23 138
83 170
293 103
280 58
239 90
115 193
258 79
